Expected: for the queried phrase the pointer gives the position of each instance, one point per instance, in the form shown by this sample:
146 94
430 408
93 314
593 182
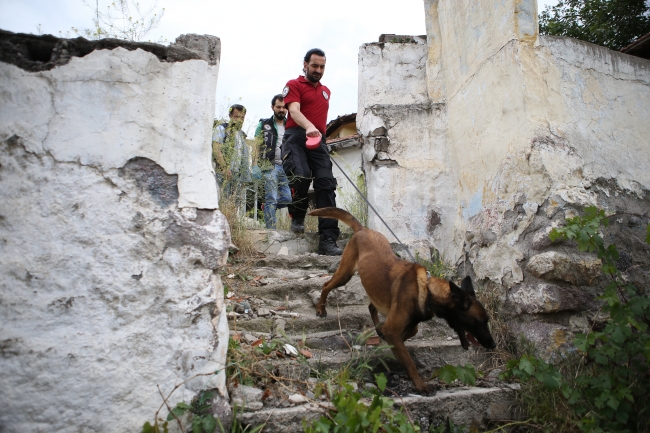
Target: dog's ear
467 286
459 297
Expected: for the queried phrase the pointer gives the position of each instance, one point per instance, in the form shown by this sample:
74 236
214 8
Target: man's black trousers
301 165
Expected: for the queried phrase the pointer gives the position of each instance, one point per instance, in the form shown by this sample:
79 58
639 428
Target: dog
402 293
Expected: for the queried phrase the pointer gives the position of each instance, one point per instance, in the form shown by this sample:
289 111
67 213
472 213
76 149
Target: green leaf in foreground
449 373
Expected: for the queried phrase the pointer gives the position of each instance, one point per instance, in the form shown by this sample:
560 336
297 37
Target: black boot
298 225
327 247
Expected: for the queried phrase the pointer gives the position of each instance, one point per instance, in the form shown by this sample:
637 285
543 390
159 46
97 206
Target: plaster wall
110 242
521 132
132 102
539 129
404 152
349 159
473 31
588 97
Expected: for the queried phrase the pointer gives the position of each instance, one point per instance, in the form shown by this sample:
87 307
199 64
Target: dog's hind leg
375 319
342 275
410 332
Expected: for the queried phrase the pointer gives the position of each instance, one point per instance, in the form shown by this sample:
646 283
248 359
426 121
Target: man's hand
301 120
312 131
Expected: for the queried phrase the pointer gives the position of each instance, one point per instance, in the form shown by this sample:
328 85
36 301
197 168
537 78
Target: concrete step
350 317
285 242
469 406
427 355
293 304
298 261
353 318
282 291
334 349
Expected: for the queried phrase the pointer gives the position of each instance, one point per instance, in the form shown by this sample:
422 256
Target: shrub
351 414
611 380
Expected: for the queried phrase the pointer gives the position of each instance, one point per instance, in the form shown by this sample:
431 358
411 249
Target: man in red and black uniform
308 102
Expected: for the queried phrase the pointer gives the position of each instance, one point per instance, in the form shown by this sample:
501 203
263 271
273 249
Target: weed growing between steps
499 356
270 365
352 414
436 267
239 232
198 410
372 410
605 385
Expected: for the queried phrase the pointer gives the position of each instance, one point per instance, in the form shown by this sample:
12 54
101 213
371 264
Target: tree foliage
611 23
123 19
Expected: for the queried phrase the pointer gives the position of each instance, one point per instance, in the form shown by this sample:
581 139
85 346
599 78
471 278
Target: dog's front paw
424 389
321 312
429 392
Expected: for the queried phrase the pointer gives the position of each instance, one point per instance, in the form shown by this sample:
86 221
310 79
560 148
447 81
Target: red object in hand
313 142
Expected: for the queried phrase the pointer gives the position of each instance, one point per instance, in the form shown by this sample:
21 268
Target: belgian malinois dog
402 293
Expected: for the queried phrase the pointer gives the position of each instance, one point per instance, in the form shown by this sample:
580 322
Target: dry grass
504 351
350 200
311 223
239 233
283 221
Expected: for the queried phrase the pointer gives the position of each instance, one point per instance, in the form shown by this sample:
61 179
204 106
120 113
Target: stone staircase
274 297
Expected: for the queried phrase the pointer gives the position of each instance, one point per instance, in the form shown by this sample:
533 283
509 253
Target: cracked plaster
110 241
522 131
112 105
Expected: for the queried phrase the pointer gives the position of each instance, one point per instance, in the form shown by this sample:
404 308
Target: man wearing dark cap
308 103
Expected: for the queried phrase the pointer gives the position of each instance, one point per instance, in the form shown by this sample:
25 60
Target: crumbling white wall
110 240
516 92
534 130
404 150
349 159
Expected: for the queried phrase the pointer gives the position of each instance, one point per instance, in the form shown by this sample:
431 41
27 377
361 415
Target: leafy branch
609 389
123 19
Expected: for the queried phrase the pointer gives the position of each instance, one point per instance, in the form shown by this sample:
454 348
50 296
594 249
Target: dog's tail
339 214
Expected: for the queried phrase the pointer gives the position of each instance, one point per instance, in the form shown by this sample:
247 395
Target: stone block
246 393
381 144
378 132
541 240
206 47
549 339
549 298
284 242
552 265
352 293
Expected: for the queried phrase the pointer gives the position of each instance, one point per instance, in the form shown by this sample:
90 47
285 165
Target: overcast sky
263 42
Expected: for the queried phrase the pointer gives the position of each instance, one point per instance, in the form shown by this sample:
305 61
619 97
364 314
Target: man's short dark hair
275 98
237 107
316 51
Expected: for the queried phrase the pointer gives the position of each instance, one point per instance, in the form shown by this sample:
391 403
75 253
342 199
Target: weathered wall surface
349 159
535 129
404 152
570 135
110 239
